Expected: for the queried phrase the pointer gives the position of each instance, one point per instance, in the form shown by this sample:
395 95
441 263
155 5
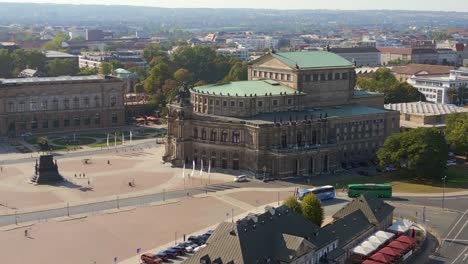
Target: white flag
131 135
115 139
183 171
201 168
209 167
107 139
193 168
123 138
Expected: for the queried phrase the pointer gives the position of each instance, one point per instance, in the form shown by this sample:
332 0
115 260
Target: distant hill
196 18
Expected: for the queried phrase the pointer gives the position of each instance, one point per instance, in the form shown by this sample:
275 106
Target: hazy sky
435 5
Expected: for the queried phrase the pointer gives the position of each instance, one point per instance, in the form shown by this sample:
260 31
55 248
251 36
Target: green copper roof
246 88
312 59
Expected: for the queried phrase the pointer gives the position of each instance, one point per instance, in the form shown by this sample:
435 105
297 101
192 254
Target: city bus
322 193
379 190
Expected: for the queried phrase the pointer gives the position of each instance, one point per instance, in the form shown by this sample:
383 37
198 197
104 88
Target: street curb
14 227
69 218
120 210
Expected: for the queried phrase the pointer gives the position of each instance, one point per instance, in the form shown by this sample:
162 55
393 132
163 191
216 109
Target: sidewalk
429 195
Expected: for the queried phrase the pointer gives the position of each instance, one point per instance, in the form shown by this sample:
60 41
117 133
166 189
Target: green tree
422 150
139 88
153 50
55 43
87 71
312 209
238 72
62 67
156 78
461 94
398 62
378 81
402 93
203 62
293 204
456 132
116 64
23 59
105 68
6 65
183 75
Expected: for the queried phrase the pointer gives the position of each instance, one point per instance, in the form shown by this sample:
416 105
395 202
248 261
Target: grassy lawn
104 144
79 141
457 180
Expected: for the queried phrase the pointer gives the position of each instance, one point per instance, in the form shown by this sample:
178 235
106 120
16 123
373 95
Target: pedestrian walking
108 162
75 175
84 176
88 182
26 233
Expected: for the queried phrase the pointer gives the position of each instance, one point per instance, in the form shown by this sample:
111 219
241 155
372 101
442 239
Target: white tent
383 234
369 244
401 226
362 250
376 239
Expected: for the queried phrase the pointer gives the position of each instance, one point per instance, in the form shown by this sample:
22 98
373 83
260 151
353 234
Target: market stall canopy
398 245
362 250
383 234
382 258
390 251
368 261
406 239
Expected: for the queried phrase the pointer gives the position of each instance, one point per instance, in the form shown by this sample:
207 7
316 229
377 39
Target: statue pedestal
46 171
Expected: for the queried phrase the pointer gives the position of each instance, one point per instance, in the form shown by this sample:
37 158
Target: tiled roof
354 50
349 227
424 108
272 237
312 59
414 69
246 88
374 209
402 51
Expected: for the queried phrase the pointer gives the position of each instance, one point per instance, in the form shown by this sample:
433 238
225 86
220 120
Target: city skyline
429 5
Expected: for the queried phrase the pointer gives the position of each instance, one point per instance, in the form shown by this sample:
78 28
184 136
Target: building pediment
269 61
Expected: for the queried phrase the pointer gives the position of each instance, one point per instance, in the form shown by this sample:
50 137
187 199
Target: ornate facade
58 104
297 115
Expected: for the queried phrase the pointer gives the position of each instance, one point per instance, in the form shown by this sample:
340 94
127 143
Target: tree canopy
6 65
456 132
423 151
238 72
23 59
403 93
312 209
383 81
55 43
105 68
152 51
378 81
183 75
293 204
156 78
62 67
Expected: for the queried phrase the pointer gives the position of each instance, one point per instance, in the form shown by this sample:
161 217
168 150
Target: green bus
379 190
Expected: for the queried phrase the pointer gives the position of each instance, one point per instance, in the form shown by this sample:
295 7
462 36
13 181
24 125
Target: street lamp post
443 193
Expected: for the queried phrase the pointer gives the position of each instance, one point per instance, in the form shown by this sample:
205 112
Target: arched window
76 103
113 101
97 101
299 138
11 107
203 134
235 137
224 136
86 102
55 104
213 135
284 140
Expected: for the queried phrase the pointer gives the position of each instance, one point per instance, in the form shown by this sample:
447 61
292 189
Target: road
131 201
450 226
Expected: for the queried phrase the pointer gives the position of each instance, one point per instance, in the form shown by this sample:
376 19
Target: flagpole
183 174
123 138
107 139
201 171
115 139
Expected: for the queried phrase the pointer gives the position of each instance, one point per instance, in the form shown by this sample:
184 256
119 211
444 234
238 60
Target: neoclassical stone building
59 104
297 115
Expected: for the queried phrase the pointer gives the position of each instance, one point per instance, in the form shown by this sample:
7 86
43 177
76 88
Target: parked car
151 259
241 178
180 250
163 256
389 169
170 253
